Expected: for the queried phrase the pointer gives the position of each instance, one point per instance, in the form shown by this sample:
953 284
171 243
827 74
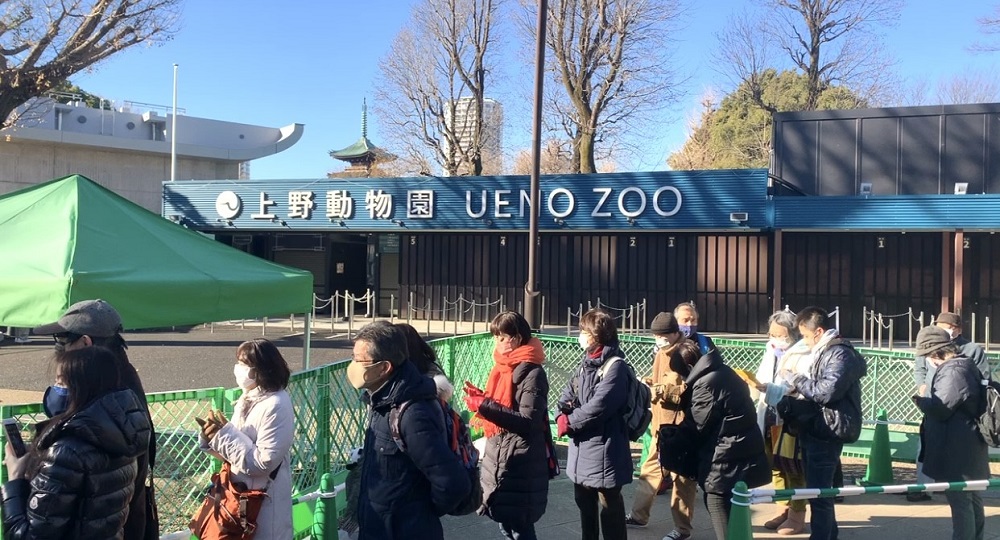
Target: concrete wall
135 176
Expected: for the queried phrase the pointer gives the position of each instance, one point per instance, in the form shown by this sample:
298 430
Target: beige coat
667 386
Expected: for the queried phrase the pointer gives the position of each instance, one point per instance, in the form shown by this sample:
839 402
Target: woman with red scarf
512 412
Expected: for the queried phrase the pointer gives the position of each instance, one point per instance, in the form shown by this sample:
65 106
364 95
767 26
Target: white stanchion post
307 344
541 320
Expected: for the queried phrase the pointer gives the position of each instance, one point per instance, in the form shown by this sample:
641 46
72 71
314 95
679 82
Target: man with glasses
97 323
410 477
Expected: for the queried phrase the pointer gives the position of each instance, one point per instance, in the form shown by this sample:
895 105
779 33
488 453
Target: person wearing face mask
402 493
257 442
666 386
91 323
78 477
591 407
832 393
512 411
783 351
687 320
923 374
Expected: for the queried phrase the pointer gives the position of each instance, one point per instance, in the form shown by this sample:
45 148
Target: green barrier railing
329 416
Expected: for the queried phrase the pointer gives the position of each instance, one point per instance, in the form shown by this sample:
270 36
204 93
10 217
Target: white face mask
584 340
951 333
242 374
779 343
662 342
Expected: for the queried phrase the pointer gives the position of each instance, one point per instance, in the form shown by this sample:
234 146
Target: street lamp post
173 133
530 292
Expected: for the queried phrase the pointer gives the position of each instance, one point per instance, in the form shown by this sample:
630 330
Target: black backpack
989 421
637 413
456 432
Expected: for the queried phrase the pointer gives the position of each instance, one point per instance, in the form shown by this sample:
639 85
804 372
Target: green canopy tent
71 239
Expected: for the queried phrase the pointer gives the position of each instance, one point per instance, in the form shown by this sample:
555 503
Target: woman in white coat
784 352
257 441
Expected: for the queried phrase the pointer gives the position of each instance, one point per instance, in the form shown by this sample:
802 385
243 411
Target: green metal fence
329 416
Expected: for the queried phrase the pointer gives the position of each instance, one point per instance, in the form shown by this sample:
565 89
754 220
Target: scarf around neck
500 384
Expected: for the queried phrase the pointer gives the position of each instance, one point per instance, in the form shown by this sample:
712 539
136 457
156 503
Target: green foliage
65 91
737 133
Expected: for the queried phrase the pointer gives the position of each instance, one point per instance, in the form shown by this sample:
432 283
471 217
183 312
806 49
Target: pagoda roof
363 147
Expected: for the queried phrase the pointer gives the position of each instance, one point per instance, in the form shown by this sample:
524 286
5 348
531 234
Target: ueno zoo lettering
630 202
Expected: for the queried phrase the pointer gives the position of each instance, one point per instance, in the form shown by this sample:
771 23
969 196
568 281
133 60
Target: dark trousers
601 511
518 532
719 507
968 521
822 459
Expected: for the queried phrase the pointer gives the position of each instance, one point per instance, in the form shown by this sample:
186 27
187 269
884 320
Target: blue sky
313 62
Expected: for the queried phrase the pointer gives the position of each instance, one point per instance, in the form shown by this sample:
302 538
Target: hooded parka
730 445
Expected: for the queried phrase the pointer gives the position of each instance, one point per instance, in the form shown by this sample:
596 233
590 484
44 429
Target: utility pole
530 292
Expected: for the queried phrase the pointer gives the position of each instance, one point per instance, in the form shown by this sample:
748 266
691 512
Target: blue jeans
821 460
518 532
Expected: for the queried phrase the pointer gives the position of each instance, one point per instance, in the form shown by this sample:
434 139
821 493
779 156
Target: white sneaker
676 535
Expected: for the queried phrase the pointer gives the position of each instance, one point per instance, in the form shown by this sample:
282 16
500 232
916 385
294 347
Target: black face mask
55 401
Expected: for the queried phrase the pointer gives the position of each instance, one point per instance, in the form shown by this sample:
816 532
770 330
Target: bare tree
557 157
432 93
832 42
969 87
44 42
990 25
608 63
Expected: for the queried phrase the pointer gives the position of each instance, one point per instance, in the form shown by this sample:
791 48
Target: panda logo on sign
228 205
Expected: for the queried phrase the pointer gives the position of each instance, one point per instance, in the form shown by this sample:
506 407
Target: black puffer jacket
835 385
514 468
85 476
402 495
730 445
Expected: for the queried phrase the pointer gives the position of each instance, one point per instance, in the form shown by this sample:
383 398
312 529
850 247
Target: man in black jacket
408 481
834 385
96 322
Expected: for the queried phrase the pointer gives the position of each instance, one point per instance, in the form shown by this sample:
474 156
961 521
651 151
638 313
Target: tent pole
307 344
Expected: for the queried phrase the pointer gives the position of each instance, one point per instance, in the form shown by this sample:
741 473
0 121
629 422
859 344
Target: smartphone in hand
13 433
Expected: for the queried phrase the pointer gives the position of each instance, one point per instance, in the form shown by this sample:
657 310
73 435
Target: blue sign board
670 200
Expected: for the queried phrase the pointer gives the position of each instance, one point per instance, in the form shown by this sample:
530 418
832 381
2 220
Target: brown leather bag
229 511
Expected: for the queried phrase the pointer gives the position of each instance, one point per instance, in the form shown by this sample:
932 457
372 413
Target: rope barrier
768 495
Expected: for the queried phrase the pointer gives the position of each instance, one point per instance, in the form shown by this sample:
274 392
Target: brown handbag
229 511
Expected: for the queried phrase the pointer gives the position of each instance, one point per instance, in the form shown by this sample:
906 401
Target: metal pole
308 343
909 327
459 311
536 157
474 316
541 319
291 319
569 319
879 330
973 326
837 311
987 333
427 314
263 328
864 324
409 309
392 308
173 133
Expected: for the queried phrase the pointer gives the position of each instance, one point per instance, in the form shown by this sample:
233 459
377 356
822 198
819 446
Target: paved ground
869 517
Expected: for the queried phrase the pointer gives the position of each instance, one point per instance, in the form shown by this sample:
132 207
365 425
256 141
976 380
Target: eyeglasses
65 339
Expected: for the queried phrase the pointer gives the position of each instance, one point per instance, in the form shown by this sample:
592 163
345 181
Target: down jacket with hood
835 385
85 475
515 471
599 454
403 494
730 445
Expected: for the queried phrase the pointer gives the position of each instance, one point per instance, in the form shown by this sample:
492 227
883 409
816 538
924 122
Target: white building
128 149
466 122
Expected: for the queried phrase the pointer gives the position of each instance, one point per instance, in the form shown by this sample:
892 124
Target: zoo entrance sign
349 204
